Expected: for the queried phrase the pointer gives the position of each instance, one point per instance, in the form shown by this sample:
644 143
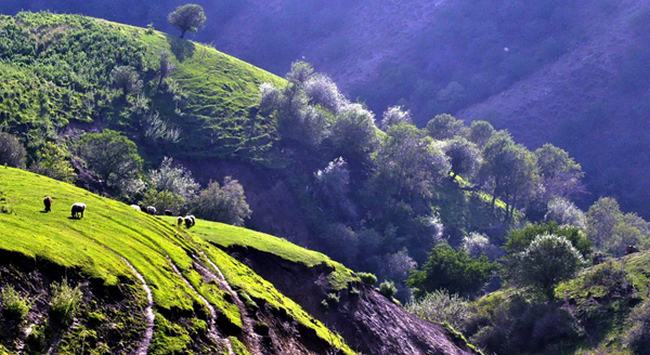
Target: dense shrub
340 242
480 132
164 200
113 158
126 79
322 91
560 174
354 134
477 244
638 336
409 166
464 156
612 231
12 152
299 118
397 266
367 278
173 178
223 203
565 212
395 115
548 260
519 239
65 302
388 289
442 307
332 187
509 170
517 322
14 306
445 126
452 270
53 160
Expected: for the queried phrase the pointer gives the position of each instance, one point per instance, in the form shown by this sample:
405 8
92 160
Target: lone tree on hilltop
188 17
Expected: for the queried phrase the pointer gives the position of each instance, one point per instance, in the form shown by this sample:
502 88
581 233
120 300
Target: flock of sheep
78 209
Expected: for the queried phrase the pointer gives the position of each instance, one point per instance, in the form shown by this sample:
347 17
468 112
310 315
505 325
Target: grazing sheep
137 208
188 222
78 209
168 213
179 221
151 210
193 219
47 202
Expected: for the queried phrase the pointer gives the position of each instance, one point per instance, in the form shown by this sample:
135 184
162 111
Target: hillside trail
145 342
212 323
143 348
251 338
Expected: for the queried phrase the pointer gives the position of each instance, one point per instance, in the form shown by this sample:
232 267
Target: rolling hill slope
567 72
56 75
148 285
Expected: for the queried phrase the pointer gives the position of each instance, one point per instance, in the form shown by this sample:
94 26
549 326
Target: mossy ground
110 231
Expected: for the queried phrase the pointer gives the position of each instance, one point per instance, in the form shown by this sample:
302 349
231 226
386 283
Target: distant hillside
568 72
147 285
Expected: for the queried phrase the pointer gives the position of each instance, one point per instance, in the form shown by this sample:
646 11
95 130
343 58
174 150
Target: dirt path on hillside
143 348
212 323
251 338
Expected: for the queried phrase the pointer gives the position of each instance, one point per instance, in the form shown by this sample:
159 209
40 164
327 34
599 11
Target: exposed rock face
367 320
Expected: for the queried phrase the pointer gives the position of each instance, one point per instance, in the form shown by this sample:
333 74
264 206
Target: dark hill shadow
181 48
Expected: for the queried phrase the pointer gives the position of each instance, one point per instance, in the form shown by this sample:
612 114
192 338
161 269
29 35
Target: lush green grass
111 230
226 235
55 69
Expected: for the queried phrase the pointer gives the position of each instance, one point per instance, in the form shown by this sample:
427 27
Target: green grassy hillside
227 236
112 235
55 70
599 311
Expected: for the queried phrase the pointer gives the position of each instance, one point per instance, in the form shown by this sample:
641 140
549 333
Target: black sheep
47 202
78 210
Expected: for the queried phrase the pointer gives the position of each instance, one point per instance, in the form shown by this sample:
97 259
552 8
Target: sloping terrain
151 286
601 310
56 75
568 72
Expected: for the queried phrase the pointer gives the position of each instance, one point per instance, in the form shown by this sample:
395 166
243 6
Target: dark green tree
464 157
480 132
113 158
560 174
548 260
510 170
223 203
451 270
354 134
518 240
126 79
408 165
445 126
187 18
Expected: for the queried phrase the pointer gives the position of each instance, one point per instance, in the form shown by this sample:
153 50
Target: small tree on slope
187 18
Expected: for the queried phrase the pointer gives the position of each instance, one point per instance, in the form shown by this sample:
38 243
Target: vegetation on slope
63 65
226 236
111 233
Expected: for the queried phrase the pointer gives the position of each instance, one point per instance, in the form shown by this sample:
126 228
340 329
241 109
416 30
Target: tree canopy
187 18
